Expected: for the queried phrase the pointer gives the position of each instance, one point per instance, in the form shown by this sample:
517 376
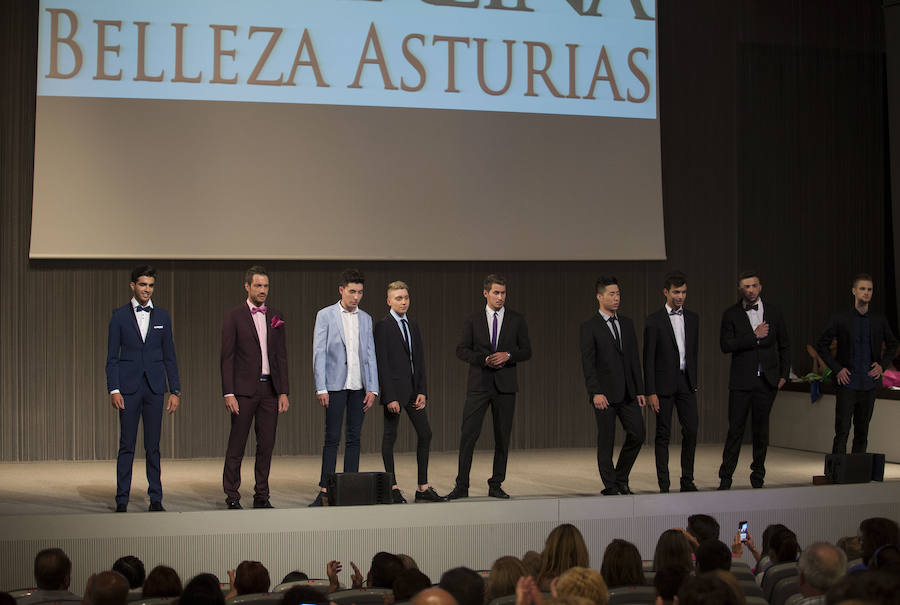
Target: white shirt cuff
114 391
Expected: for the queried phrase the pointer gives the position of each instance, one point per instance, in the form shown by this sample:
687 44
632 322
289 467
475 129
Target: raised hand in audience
527 592
356 578
232 592
332 569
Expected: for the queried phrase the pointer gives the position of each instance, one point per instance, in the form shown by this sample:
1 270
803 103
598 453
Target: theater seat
784 589
320 584
632 595
775 574
261 598
360 596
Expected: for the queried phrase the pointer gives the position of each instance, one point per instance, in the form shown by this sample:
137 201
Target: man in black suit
494 340
865 346
757 338
671 335
401 371
612 374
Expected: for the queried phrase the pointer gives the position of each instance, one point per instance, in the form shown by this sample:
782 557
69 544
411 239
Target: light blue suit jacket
330 351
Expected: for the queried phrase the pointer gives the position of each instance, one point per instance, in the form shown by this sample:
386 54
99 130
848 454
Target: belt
265 378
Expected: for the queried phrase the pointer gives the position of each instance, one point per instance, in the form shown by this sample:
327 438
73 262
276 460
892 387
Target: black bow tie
675 312
752 307
139 308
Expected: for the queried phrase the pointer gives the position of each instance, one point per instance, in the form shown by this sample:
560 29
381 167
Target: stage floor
34 488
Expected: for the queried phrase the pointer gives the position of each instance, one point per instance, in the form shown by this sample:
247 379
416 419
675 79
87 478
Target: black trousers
419 421
756 403
629 414
684 401
263 408
858 407
503 406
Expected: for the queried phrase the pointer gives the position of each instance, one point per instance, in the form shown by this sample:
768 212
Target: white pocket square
158 327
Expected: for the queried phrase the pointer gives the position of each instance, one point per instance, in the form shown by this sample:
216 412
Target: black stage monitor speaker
358 489
854 468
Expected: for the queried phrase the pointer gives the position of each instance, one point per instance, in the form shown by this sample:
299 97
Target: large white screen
414 129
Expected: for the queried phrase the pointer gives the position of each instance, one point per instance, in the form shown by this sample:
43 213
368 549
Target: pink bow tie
258 310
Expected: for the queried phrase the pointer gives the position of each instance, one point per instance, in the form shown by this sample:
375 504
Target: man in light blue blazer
346 373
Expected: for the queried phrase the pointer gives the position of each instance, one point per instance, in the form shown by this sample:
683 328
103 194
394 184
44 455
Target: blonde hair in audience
583 582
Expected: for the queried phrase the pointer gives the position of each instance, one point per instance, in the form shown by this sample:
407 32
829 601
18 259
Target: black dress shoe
458 492
689 487
756 484
496 491
397 497
121 507
234 505
625 490
429 495
610 491
262 504
156 507
664 490
724 485
320 499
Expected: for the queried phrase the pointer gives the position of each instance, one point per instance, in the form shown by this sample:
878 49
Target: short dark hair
352 276
712 555
668 581
862 277
707 589
605 280
409 583
142 271
872 586
251 577
109 588
674 279
876 532
304 594
703 527
622 565
254 270
493 278
783 546
747 275
465 584
132 568
161 582
385 568
202 589
52 569
295 576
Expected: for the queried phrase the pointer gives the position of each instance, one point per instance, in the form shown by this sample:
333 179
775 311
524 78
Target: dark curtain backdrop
773 149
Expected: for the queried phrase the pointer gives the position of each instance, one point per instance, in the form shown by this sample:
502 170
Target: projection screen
348 129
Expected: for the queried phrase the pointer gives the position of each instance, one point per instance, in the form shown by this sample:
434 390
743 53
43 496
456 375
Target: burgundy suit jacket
241 358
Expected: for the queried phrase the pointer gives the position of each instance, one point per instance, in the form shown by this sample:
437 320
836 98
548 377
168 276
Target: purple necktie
494 334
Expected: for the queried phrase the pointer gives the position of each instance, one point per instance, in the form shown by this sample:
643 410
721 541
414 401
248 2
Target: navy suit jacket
129 358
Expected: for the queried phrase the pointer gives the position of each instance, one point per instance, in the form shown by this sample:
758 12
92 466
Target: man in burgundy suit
254 383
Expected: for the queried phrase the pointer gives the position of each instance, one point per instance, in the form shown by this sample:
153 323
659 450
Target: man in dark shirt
865 346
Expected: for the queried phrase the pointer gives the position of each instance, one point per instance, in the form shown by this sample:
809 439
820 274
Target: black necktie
408 347
612 322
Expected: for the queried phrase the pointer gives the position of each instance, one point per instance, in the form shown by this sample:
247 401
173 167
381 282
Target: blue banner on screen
575 57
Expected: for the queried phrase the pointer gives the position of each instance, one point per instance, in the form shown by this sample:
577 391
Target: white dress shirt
677 321
350 322
143 318
756 318
490 319
609 324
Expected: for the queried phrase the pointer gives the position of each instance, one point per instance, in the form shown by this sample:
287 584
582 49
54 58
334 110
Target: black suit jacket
241 359
842 327
747 353
475 346
396 378
607 370
661 358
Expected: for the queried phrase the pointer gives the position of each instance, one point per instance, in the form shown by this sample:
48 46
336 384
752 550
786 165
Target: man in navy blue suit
140 362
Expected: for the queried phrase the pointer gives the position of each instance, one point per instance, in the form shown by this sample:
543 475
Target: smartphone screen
743 526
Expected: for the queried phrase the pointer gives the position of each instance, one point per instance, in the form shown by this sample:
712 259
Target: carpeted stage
70 504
